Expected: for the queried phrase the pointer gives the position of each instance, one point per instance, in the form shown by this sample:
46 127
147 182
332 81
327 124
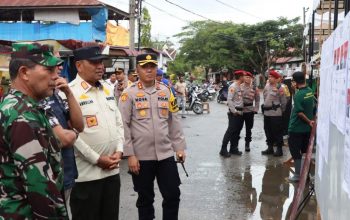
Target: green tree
251 47
146 28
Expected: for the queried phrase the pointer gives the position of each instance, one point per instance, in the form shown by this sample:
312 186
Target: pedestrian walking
152 134
274 105
99 147
301 122
235 116
251 103
31 172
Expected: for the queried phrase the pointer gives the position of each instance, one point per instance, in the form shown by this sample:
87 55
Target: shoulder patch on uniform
232 90
124 96
84 85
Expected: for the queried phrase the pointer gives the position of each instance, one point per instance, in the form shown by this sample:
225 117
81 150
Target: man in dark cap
301 122
274 105
153 134
31 172
235 116
99 147
132 77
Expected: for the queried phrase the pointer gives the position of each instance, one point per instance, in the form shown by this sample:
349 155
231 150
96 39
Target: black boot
247 147
224 153
268 151
235 151
279 152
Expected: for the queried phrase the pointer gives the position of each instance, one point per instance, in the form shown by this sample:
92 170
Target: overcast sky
168 19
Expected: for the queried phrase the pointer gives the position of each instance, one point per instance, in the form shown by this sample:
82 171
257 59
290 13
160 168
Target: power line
237 9
165 12
179 6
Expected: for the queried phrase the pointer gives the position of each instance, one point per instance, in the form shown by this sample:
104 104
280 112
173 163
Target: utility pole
132 9
139 24
304 39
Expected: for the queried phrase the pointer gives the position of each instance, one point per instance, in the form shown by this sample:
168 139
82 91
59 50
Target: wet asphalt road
250 186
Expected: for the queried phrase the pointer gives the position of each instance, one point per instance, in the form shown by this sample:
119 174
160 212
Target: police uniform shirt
234 98
274 95
103 133
152 131
250 94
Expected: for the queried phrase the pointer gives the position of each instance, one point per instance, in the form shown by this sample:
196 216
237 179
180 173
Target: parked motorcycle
193 103
204 95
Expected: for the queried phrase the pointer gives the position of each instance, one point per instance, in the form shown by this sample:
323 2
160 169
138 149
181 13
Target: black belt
239 108
247 104
273 107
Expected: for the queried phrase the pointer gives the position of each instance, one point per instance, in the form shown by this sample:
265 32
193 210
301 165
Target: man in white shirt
112 80
99 147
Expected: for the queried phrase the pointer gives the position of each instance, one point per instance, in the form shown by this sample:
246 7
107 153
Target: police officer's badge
142 113
148 57
124 97
164 112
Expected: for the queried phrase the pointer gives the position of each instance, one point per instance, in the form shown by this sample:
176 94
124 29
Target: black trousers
96 200
167 175
235 125
298 143
248 118
273 126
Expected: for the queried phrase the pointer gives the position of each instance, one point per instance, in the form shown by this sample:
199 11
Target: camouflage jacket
31 177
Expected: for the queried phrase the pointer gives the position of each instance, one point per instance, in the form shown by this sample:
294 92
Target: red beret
248 74
274 74
239 72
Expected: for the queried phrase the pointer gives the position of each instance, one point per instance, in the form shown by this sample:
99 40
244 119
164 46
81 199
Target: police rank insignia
124 97
148 57
91 121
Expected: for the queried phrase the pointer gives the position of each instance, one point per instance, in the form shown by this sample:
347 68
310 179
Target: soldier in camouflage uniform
274 105
30 162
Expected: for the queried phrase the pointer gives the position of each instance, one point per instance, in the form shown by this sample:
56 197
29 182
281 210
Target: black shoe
247 148
236 152
279 152
225 154
268 151
183 116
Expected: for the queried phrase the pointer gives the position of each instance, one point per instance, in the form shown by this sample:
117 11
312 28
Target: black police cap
89 53
142 59
299 77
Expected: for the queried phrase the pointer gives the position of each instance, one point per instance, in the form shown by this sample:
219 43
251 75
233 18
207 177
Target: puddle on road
266 193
